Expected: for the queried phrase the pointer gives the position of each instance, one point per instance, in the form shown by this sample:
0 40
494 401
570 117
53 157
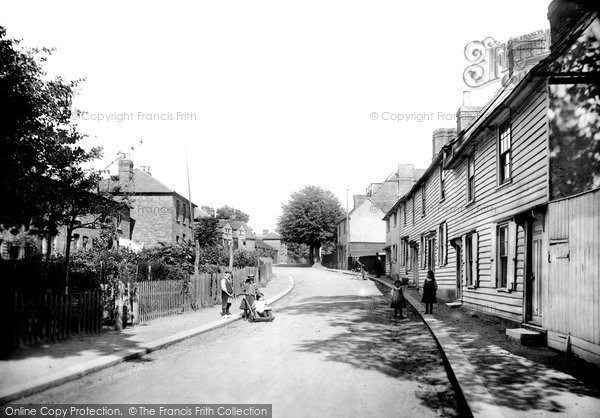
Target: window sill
472 287
470 203
504 185
503 290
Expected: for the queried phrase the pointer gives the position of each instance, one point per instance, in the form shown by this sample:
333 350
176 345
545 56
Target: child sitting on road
260 306
398 301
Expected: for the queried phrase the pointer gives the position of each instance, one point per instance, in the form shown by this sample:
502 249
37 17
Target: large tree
310 218
227 212
39 145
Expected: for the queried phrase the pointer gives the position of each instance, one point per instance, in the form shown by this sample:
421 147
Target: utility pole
347 233
196 248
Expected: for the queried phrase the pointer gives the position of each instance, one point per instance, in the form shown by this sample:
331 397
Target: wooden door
536 275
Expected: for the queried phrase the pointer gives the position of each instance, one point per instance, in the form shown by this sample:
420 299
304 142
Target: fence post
135 305
119 306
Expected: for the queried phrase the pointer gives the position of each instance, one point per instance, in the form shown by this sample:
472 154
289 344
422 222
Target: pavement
496 382
35 369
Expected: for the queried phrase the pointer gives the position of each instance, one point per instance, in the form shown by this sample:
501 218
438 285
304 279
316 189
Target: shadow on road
368 338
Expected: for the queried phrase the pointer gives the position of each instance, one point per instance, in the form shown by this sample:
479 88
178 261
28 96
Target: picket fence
34 319
44 318
157 299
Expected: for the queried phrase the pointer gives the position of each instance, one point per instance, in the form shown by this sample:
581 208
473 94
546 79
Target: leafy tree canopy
207 232
310 218
227 212
38 142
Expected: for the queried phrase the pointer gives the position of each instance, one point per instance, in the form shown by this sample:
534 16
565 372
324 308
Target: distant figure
226 294
250 291
429 290
398 301
379 266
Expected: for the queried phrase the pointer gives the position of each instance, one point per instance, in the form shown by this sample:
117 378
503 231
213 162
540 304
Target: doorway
415 265
458 249
535 277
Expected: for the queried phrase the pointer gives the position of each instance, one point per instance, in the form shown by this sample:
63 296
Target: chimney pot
441 137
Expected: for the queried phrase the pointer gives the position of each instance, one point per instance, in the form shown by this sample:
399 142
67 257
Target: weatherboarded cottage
507 214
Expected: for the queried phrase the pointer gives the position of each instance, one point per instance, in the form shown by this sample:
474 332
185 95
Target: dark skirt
250 299
429 292
398 300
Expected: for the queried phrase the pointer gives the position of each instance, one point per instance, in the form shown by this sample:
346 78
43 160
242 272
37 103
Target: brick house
234 232
161 214
506 214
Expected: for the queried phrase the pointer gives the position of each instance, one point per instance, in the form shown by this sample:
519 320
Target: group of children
251 294
429 295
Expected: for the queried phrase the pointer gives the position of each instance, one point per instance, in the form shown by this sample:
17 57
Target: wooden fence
32 319
38 319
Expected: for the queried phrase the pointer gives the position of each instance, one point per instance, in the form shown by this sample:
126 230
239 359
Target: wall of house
154 219
492 204
183 224
366 224
572 295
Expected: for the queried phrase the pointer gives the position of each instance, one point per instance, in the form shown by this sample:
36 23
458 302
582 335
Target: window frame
471 178
423 200
501 279
504 158
442 184
468 251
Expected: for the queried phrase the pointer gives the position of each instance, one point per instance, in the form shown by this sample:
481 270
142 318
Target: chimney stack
125 174
146 169
441 137
564 15
265 232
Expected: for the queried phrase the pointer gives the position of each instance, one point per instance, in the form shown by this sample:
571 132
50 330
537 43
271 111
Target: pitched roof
142 182
223 222
235 225
269 235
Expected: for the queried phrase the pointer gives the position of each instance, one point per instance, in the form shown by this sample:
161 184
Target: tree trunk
315 256
67 257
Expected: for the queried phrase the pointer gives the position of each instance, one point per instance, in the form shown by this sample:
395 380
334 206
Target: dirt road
333 350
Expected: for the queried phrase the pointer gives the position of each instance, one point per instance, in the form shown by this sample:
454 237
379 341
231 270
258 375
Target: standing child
429 290
398 301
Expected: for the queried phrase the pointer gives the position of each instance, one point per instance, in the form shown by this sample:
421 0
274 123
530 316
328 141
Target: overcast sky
271 95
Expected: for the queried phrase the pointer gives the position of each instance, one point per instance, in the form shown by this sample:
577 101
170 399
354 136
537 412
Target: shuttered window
423 200
504 247
504 158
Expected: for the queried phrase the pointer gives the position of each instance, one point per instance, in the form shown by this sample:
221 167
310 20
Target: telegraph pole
196 248
347 233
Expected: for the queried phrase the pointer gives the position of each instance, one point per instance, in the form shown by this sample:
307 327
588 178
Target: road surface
333 350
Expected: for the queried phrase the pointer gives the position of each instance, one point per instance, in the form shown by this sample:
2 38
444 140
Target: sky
267 96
